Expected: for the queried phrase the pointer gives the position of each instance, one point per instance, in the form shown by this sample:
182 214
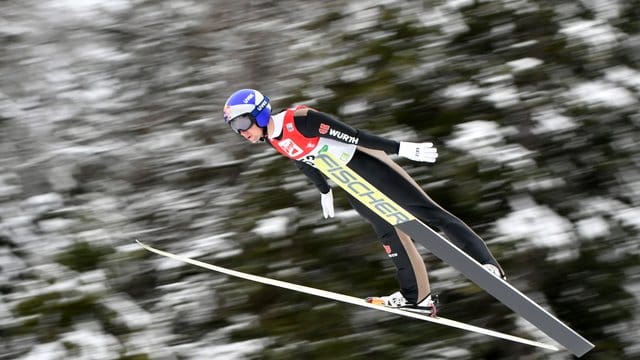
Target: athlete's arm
326 197
315 176
313 123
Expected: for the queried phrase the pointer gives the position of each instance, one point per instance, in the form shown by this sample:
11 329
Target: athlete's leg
459 233
392 180
411 270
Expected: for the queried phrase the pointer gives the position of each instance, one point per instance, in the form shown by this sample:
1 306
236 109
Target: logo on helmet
227 111
261 106
248 98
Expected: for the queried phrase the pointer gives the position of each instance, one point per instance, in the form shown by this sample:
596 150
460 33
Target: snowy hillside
111 130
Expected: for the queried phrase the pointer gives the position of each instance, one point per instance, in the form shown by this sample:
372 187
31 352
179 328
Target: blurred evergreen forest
111 128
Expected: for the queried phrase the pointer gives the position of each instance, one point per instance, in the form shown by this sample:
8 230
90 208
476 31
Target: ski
504 292
348 299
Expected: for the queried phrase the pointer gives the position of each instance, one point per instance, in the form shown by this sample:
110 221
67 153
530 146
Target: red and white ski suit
301 132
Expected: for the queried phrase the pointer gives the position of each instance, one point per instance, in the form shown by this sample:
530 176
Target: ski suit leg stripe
417 264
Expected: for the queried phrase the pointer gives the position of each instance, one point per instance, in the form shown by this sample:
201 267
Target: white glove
327 204
424 152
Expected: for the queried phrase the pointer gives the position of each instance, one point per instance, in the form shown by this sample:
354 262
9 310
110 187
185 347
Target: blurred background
111 130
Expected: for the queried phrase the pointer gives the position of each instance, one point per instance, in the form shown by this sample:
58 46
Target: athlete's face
253 134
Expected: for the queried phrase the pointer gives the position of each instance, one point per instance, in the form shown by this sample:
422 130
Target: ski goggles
241 123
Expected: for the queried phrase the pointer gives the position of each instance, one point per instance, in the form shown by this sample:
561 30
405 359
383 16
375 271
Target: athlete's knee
387 234
383 230
440 219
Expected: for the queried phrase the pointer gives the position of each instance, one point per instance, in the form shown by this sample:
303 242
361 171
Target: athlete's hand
424 152
327 204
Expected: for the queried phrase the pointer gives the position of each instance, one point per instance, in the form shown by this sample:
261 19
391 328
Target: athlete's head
247 107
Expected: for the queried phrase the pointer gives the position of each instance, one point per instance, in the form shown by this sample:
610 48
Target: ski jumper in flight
300 133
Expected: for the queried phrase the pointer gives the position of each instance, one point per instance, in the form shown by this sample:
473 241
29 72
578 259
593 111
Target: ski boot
495 271
397 300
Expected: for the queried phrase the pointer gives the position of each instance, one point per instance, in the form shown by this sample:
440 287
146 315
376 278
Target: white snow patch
192 302
11 265
629 216
354 107
88 7
625 76
56 225
92 342
48 351
523 44
362 16
484 140
229 351
354 73
524 64
219 245
600 93
278 223
597 34
497 79
539 184
273 227
458 4
605 9
619 211
478 133
10 184
538 224
347 215
129 313
592 228
503 96
462 90
548 121
43 203
446 17
55 278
